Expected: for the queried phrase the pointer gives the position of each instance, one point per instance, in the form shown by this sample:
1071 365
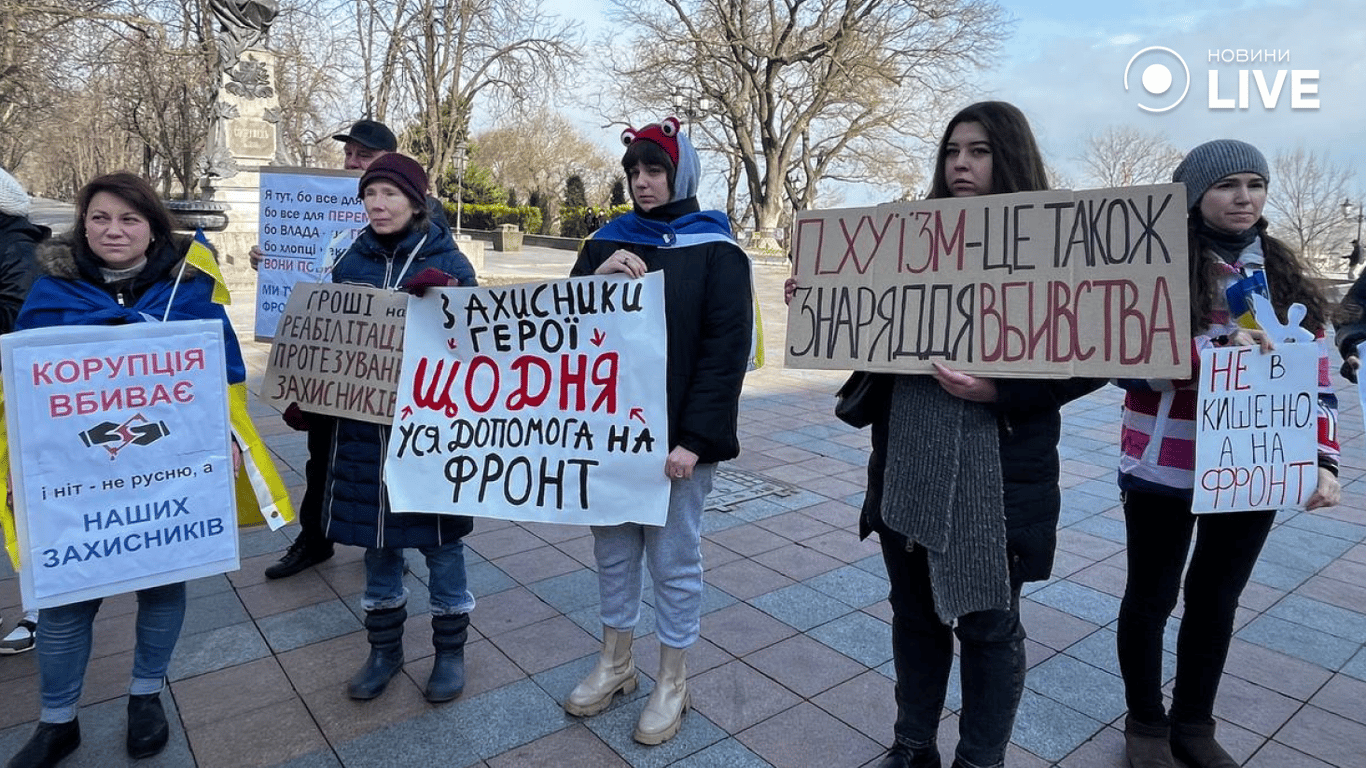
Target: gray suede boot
1194 743
1147 746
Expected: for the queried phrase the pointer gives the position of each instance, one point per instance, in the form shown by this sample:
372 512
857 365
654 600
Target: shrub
528 219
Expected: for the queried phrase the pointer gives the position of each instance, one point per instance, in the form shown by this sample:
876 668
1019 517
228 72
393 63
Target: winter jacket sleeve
1029 395
1351 323
707 418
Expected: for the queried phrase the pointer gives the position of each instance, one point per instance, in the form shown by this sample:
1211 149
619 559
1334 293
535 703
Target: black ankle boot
448 669
147 729
48 745
385 629
902 756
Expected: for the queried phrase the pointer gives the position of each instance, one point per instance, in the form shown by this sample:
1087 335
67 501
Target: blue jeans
446 581
991 662
64 640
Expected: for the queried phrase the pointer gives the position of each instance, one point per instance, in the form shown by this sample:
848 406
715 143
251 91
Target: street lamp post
1347 207
461 155
690 110
308 142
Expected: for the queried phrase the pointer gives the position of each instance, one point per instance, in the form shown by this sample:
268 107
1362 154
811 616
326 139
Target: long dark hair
133 190
1287 275
1016 164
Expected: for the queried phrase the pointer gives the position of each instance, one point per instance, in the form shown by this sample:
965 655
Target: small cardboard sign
309 218
541 402
120 457
1256 439
337 351
1033 284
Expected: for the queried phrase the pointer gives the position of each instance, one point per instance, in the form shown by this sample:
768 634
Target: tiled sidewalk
793 668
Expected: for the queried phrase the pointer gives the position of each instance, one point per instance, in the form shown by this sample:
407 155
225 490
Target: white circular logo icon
1157 76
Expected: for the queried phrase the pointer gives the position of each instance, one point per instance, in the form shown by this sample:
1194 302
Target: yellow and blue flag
201 257
1239 296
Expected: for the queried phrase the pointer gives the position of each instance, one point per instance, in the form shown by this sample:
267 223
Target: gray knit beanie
13 199
1214 160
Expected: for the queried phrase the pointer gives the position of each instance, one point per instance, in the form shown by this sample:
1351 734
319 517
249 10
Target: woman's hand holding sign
1328 493
622 261
965 386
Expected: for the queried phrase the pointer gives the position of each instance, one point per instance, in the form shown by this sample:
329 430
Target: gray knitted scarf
942 489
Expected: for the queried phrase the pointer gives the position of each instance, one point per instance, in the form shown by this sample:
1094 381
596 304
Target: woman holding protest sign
400 248
1226 185
963 494
122 264
708 315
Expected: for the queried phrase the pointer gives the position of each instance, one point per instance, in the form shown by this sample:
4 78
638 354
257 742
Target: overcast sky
1064 65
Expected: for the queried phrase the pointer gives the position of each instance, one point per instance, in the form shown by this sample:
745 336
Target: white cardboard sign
309 218
119 445
541 402
1256 441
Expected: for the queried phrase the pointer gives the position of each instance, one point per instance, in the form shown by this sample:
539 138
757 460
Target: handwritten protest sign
1256 440
1033 284
309 217
120 457
337 351
540 402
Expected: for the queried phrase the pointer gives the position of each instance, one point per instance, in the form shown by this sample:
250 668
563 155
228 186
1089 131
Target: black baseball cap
372 134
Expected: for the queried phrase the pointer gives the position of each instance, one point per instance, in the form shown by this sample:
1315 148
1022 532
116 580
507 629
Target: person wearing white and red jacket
1226 184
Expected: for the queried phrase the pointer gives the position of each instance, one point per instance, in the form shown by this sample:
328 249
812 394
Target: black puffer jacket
356 501
1029 426
18 268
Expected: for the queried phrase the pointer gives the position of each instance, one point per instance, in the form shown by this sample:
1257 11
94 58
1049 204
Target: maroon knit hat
405 173
664 133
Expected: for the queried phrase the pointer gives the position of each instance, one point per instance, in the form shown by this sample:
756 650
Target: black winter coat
1351 324
1029 427
709 314
356 501
18 267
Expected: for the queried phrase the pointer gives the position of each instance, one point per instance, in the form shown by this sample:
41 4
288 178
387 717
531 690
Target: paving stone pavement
793 669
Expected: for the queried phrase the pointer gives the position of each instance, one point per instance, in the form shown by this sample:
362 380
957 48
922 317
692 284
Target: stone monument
244 128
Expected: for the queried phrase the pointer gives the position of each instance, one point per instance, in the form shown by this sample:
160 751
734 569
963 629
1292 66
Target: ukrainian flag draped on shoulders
68 294
688 230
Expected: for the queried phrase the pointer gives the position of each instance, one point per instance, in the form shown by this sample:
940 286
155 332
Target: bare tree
1123 156
1306 194
539 154
805 92
432 60
151 60
36 55
313 81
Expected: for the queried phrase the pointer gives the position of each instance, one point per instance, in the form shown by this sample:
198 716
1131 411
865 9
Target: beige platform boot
663 713
616 671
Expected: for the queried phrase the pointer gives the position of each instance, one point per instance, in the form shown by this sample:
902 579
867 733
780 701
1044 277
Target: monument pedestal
244 137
